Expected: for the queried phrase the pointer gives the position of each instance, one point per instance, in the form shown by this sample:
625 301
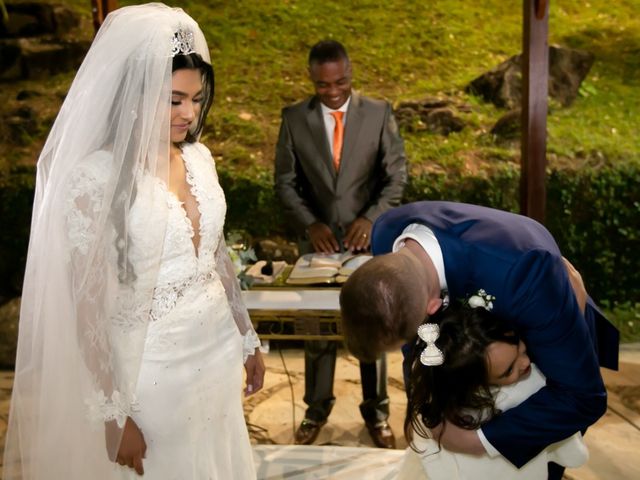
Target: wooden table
295 313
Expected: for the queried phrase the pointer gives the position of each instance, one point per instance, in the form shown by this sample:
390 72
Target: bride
132 328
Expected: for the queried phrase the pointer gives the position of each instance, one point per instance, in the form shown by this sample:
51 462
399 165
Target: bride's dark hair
193 61
457 391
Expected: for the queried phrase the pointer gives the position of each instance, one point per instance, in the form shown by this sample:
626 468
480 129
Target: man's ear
433 306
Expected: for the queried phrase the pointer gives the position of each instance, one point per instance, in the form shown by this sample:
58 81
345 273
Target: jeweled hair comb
182 43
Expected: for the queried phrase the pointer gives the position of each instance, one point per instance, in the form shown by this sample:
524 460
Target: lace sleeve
226 271
94 281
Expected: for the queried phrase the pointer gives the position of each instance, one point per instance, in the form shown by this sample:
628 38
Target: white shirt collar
429 243
327 111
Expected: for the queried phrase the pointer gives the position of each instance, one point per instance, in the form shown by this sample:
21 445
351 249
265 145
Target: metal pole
535 81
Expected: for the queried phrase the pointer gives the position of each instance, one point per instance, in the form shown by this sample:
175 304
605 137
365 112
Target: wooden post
100 9
535 81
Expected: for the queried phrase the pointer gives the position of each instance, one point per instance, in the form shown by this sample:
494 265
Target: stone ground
614 441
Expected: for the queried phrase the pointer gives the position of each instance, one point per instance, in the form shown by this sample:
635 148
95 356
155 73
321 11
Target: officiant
340 163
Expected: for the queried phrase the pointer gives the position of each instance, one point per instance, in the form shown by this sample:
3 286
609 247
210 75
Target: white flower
476 301
481 300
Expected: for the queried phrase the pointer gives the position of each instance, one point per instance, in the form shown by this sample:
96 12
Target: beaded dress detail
187 397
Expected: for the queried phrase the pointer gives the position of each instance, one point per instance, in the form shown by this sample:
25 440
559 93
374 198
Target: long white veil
84 308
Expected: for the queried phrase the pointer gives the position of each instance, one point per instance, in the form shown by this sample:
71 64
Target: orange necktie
338 134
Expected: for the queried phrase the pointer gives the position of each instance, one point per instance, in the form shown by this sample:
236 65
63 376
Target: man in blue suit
429 251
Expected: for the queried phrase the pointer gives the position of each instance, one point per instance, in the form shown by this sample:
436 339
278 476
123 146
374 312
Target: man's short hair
327 51
379 304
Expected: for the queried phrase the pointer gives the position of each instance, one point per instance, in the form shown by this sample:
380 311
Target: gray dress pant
319 372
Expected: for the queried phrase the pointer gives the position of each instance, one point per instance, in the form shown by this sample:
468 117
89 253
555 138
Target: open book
325 268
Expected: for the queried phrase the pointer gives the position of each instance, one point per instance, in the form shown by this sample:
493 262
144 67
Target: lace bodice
161 261
179 258
180 264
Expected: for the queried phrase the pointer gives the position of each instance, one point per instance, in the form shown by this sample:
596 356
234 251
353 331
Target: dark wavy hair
460 386
194 61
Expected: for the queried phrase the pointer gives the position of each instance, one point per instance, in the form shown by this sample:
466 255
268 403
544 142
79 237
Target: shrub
594 214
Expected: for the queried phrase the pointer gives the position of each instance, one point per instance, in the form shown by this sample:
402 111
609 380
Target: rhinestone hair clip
431 356
182 43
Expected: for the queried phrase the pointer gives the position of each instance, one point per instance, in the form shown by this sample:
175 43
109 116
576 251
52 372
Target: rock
443 121
30 19
10 59
64 20
27 94
425 104
39 58
434 115
567 70
22 124
508 126
9 318
502 85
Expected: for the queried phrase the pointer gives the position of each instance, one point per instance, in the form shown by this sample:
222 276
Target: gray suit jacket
372 171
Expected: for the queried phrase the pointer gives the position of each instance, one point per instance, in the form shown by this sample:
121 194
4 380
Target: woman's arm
254 365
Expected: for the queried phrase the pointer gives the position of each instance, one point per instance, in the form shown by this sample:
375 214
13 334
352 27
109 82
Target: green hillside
410 50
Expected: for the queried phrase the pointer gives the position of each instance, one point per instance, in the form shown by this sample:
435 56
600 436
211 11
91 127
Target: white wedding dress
121 316
189 389
188 397
436 463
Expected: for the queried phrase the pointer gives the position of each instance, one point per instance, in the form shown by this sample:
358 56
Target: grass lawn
405 49
627 318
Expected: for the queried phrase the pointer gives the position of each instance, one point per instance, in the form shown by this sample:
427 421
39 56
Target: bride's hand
255 372
132 447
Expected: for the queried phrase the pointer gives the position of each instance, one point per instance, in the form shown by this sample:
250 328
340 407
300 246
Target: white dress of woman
436 463
123 315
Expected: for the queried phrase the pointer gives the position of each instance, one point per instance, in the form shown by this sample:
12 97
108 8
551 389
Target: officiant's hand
458 439
358 235
133 448
322 238
255 369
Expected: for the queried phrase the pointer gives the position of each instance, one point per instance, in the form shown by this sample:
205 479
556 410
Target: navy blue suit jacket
517 260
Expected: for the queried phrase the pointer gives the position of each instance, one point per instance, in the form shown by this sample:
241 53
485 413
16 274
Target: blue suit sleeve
543 306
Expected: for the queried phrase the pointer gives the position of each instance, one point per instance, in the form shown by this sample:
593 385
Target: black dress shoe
381 434
308 431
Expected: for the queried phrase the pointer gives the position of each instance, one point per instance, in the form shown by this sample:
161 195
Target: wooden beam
100 9
535 81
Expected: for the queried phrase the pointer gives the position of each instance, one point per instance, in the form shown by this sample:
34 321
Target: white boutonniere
481 300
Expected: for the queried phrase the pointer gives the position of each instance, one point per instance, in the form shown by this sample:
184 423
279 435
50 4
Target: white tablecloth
282 299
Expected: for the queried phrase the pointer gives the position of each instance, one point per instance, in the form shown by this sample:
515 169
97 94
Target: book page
352 263
305 268
335 260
